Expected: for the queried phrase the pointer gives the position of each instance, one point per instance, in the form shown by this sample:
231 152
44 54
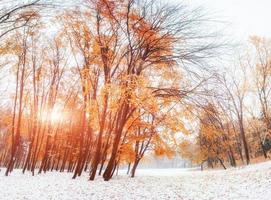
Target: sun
54 116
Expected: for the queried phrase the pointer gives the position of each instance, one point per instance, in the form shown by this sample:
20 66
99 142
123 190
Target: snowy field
249 183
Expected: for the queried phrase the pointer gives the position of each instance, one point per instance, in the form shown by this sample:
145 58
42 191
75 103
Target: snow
249 183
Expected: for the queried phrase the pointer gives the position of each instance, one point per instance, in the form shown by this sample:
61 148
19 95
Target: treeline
235 123
96 86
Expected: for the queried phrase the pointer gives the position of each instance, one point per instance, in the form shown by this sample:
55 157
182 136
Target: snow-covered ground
249 183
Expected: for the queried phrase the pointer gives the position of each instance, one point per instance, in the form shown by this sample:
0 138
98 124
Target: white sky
246 17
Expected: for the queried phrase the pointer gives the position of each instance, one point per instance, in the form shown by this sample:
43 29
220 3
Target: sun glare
53 116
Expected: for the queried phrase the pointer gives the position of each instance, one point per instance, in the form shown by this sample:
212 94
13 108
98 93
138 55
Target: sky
245 17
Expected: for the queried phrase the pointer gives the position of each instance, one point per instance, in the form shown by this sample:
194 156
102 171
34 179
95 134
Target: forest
98 86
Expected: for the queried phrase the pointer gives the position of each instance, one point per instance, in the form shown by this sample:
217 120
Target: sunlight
175 92
55 116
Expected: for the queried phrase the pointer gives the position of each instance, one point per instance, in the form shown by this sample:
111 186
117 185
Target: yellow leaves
161 148
127 153
185 144
134 16
256 40
86 33
209 131
108 8
28 14
12 45
6 119
185 149
151 39
146 102
6 48
175 124
169 74
96 48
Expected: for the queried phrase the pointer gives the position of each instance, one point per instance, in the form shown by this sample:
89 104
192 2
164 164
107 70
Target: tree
106 87
261 68
236 93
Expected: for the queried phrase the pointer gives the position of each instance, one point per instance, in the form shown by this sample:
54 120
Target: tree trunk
134 168
242 132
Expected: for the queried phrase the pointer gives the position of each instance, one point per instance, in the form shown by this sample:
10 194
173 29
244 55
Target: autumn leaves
115 69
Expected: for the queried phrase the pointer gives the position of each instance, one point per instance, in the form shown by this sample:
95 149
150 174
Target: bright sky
246 17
